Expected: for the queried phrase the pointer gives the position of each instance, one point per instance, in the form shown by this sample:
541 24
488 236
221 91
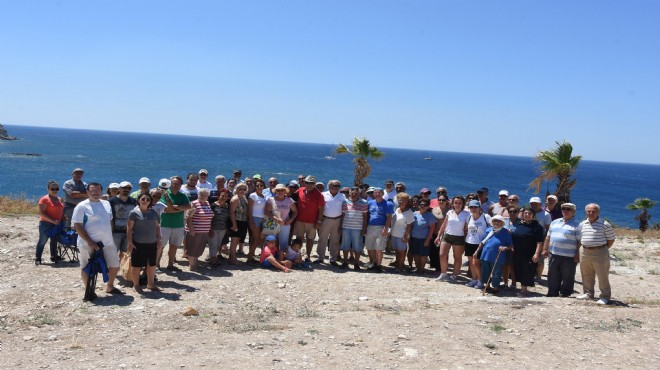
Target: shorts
172 235
375 241
304 230
121 242
453 239
266 263
144 254
398 244
470 249
258 221
109 252
352 239
417 247
242 230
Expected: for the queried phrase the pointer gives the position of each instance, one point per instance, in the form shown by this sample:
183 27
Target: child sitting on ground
293 254
268 253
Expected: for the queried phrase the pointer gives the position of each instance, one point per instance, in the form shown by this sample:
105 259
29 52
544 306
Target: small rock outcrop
4 135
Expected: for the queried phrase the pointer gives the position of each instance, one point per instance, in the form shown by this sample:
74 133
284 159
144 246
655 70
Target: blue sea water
116 156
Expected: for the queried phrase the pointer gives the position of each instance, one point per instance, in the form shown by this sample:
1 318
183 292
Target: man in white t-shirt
390 192
329 232
91 219
203 183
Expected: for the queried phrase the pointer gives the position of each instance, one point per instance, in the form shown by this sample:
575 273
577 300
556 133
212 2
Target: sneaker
306 265
442 277
603 301
334 263
173 268
453 279
369 265
472 283
584 297
318 261
479 285
308 260
159 270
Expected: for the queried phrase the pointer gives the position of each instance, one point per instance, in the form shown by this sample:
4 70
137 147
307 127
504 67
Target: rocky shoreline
4 135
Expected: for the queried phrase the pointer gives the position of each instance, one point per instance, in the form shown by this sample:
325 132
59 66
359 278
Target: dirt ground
325 318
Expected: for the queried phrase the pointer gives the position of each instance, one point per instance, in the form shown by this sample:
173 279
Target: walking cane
491 272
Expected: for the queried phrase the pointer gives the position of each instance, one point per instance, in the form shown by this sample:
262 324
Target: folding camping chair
67 245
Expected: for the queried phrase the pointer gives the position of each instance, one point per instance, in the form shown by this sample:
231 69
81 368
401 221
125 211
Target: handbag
270 226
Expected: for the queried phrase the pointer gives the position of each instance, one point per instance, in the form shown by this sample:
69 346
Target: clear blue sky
507 77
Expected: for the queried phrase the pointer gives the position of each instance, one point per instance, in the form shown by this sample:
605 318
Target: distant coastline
4 135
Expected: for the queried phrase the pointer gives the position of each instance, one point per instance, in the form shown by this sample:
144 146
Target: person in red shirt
310 213
268 253
51 212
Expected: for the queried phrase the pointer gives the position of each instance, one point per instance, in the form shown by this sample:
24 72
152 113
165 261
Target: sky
504 77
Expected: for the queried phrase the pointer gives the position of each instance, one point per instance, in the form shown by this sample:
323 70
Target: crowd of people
505 243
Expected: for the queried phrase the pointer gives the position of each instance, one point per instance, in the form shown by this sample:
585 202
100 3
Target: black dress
525 238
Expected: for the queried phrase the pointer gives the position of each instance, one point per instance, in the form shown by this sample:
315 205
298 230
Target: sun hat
144 180
270 238
203 170
280 186
164 184
497 218
294 183
535 200
504 192
400 184
77 170
310 179
370 189
113 185
474 203
552 197
125 184
256 176
424 190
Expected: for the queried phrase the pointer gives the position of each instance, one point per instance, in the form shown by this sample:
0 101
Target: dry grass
636 233
17 205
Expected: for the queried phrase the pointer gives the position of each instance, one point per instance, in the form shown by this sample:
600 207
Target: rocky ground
326 318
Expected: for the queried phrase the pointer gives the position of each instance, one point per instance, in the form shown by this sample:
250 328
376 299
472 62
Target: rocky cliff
4 135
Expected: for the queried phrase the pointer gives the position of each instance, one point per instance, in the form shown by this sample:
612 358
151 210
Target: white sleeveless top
456 222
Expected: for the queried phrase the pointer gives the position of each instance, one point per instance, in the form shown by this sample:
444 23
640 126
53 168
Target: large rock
4 135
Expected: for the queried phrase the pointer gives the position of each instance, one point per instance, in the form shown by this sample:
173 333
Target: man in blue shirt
380 220
562 242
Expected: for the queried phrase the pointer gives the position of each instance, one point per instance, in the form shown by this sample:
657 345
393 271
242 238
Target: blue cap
270 238
474 203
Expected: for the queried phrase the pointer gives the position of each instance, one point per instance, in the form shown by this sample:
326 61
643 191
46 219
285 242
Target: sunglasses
512 211
334 186
145 200
442 200
512 199
54 189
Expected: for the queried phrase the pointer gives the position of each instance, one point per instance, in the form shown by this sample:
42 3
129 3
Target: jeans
43 238
561 275
283 236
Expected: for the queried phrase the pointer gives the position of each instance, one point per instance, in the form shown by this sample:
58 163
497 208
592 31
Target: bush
17 205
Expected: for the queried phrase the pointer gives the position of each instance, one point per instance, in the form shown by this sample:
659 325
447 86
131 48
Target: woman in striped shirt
198 226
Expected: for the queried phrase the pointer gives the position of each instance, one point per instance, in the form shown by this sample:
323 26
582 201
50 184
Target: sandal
115 290
155 289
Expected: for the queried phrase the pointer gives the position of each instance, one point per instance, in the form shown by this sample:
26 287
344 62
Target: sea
42 154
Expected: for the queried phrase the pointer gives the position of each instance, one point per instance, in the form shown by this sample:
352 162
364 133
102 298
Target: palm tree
643 204
361 150
558 163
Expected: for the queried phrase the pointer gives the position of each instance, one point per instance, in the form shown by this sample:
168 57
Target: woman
231 186
452 236
198 226
477 226
51 213
112 191
497 241
511 217
402 221
421 235
256 205
528 244
143 235
220 209
470 197
238 214
283 209
439 211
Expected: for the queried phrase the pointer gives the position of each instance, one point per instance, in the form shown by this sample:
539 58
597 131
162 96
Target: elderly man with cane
498 239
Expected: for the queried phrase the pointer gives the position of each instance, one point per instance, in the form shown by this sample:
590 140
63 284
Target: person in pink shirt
268 253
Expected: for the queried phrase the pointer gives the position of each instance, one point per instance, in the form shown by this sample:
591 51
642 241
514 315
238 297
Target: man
354 226
269 192
597 237
552 208
380 221
425 193
399 187
122 204
499 208
330 226
190 189
203 176
237 176
219 185
145 185
91 219
483 199
75 191
172 220
310 212
440 191
544 220
390 192
563 243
